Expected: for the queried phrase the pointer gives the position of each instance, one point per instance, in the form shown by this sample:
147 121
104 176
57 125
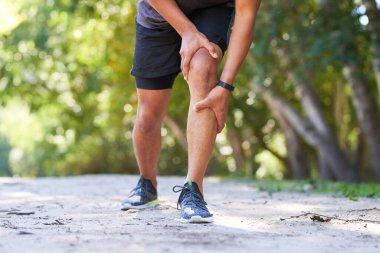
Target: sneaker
142 196
193 206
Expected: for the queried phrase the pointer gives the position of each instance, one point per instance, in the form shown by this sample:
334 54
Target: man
187 36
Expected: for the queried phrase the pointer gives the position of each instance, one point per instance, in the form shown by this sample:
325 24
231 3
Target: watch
227 86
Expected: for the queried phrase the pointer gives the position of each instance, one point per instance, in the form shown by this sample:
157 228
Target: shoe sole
197 219
126 207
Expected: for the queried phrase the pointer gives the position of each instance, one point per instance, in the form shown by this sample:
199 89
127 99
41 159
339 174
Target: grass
350 190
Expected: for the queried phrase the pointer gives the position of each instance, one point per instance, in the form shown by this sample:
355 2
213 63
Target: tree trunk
177 131
359 152
373 14
340 104
339 164
297 156
325 171
237 151
367 113
313 108
321 136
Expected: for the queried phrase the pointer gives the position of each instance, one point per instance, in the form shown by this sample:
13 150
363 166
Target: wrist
187 29
227 78
224 93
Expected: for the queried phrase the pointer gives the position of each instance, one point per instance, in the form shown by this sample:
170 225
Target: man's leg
152 107
202 125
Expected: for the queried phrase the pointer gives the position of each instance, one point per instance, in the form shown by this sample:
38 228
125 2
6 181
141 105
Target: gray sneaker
142 196
193 206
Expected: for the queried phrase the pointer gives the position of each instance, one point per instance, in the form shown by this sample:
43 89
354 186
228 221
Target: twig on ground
20 213
363 210
24 233
8 224
326 218
7 211
56 222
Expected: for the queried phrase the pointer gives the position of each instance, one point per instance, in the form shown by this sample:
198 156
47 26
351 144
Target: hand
216 100
191 42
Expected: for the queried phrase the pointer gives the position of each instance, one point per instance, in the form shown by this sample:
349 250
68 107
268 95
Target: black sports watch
227 86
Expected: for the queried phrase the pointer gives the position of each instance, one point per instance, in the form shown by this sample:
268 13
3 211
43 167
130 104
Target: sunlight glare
9 16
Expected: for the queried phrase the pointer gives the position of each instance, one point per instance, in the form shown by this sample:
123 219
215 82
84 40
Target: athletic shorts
156 57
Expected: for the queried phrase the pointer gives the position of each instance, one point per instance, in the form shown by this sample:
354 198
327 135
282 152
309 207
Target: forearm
170 10
241 39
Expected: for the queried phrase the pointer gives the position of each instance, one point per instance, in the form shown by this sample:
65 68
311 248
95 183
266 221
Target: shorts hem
156 83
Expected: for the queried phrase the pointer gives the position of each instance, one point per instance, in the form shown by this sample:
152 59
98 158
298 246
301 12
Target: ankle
199 182
152 179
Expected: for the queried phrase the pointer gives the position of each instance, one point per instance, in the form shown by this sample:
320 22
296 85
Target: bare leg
152 107
202 125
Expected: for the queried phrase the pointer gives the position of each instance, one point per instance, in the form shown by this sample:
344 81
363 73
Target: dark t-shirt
150 18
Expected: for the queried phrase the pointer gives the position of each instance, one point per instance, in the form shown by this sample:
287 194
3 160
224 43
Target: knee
201 65
147 121
202 69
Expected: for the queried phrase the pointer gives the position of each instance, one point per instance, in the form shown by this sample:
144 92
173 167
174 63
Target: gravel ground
81 214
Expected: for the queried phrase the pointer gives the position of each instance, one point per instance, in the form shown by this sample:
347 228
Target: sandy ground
81 214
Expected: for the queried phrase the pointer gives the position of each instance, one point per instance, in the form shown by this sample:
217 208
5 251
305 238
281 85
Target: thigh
156 52
153 103
215 23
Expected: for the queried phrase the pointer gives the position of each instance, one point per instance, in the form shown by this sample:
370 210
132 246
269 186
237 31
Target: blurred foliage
68 100
338 189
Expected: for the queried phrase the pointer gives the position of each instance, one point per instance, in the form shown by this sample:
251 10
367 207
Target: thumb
203 104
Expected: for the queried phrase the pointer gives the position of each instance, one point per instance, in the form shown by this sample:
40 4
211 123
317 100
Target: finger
211 49
220 127
183 56
221 123
203 104
185 67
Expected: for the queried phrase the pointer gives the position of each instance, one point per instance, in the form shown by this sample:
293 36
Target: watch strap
225 85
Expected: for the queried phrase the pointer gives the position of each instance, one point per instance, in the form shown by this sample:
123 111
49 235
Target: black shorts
156 58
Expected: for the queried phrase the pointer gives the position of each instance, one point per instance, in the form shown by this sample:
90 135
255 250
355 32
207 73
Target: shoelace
194 198
138 189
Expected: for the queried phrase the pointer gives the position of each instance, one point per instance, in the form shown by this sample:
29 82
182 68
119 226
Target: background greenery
307 103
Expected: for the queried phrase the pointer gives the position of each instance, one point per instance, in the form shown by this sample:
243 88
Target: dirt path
80 214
